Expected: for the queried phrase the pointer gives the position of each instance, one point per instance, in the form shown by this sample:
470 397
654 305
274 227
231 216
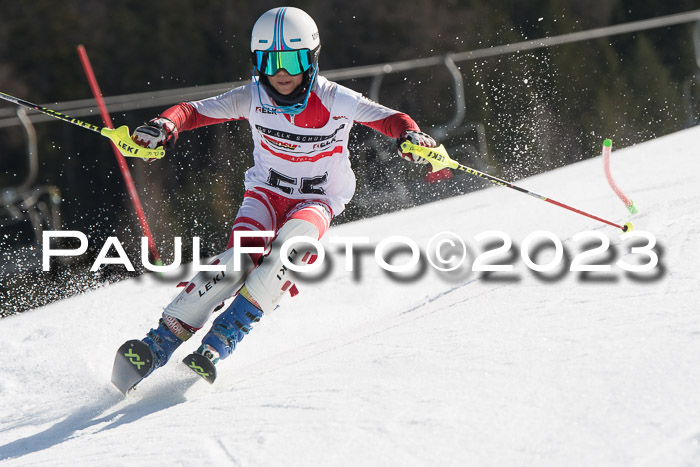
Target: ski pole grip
437 157
126 146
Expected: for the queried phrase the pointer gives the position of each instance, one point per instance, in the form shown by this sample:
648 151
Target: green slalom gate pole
439 159
119 136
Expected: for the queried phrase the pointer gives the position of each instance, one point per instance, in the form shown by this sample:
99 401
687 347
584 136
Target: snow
511 368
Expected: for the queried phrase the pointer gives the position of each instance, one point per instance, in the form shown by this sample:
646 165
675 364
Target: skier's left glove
415 137
159 131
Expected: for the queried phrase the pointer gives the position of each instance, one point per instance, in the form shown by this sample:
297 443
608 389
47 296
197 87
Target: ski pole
120 136
439 159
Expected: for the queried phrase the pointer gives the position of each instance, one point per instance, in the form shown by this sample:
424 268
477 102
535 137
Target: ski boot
228 330
163 341
136 359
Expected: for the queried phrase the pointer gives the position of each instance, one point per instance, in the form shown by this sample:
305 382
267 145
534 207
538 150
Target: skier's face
284 83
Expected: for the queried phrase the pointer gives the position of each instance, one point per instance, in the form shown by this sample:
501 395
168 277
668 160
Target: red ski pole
439 159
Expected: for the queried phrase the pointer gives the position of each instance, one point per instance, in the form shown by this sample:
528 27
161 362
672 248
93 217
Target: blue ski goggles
269 62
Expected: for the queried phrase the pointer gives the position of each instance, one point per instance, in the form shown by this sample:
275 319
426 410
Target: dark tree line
541 109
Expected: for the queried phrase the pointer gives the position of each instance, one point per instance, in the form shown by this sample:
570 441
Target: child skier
300 179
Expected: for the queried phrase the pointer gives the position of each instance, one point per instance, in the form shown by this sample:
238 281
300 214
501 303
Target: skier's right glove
157 132
415 137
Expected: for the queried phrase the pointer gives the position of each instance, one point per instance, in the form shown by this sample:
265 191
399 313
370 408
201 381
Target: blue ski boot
137 359
227 331
163 341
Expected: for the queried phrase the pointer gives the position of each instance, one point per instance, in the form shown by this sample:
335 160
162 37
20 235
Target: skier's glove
157 132
415 137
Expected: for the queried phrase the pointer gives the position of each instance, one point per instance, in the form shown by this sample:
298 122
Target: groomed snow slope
362 369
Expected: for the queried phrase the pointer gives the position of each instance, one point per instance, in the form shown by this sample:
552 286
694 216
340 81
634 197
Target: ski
131 364
202 366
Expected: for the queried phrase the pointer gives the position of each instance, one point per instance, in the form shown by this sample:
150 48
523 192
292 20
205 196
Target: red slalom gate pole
629 204
126 174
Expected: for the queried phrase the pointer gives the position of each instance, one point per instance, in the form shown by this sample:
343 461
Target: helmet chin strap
294 109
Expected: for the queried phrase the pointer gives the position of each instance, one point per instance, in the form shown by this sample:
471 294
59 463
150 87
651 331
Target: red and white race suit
300 179
299 157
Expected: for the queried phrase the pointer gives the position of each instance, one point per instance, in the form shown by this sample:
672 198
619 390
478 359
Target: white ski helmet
286 38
